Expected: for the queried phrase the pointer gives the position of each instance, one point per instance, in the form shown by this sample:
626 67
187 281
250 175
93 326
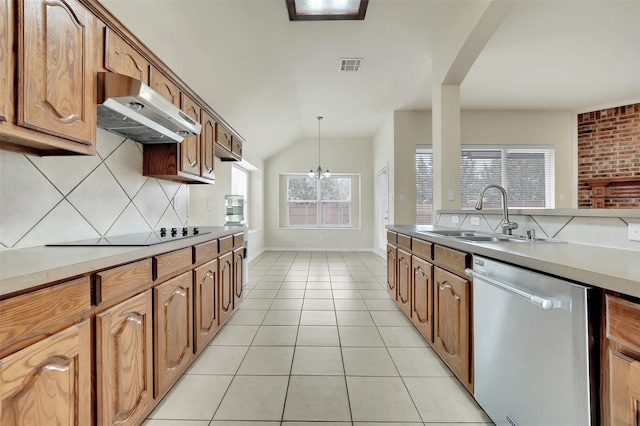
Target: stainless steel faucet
507 225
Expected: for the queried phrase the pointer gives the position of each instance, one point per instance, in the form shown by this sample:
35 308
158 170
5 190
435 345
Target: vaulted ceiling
270 78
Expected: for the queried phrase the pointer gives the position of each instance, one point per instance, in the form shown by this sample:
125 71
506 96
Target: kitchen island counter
608 268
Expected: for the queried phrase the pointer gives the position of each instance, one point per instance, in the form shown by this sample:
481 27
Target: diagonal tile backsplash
66 198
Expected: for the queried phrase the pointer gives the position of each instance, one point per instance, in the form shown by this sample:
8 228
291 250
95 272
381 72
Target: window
239 186
424 185
526 172
321 203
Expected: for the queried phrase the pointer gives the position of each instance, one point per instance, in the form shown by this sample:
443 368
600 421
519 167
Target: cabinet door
392 271
124 368
451 321
404 281
208 141
164 87
172 330
422 297
225 275
223 137
237 277
624 398
190 147
120 57
6 65
57 68
49 382
206 303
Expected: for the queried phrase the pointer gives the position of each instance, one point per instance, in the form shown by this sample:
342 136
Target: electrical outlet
451 195
455 219
634 231
209 205
321 237
475 220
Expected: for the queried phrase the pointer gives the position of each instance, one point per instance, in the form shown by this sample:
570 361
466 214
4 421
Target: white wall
353 156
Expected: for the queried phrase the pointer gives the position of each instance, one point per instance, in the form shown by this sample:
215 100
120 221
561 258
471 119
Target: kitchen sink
478 238
483 237
452 233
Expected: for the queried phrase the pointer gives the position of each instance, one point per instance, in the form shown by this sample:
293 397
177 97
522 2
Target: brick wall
609 146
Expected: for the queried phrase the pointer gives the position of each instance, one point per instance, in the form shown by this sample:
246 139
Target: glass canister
234 209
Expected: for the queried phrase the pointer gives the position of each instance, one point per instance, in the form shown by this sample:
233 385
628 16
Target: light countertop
608 268
22 269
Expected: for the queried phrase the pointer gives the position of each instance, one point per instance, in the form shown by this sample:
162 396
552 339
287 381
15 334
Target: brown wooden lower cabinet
124 360
621 361
404 281
206 298
173 336
392 259
451 336
225 275
624 379
237 277
422 297
49 382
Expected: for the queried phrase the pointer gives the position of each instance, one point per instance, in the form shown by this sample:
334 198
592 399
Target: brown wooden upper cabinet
190 147
228 148
56 70
120 57
208 144
165 87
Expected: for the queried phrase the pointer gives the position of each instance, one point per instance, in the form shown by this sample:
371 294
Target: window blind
526 172
424 185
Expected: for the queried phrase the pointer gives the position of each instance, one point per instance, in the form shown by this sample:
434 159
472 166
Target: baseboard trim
332 249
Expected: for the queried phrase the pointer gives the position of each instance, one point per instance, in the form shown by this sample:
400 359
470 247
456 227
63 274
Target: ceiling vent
350 64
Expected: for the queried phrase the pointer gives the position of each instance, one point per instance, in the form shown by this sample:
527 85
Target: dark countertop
608 268
22 269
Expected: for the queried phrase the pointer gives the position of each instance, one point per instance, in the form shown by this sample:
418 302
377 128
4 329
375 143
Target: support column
455 57
446 146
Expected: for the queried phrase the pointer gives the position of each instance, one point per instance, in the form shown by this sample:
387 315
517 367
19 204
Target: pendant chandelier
318 173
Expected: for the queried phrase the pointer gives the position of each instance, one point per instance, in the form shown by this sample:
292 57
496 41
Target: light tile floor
317 340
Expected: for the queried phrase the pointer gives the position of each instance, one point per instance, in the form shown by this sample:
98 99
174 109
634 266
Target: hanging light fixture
318 173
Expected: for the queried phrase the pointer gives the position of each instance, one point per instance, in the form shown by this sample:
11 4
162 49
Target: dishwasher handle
543 302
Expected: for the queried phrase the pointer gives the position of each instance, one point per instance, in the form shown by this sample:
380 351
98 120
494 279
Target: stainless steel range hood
132 109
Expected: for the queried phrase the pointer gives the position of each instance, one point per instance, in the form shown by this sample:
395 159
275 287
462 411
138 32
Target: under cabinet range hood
132 109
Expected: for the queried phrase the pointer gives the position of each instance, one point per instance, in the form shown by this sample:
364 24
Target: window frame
549 163
320 203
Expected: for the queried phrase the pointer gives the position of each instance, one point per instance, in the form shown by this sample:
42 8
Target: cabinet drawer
223 137
404 241
451 259
31 317
236 147
392 237
238 240
226 244
423 249
117 283
623 321
168 264
205 251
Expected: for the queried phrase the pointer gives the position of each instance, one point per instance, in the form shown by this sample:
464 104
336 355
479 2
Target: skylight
326 10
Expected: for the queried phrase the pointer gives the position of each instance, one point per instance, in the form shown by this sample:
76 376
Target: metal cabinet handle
544 303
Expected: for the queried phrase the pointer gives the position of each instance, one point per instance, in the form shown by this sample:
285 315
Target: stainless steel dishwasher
531 347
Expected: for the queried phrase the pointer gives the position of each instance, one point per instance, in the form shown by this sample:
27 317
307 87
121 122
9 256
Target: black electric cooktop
141 239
